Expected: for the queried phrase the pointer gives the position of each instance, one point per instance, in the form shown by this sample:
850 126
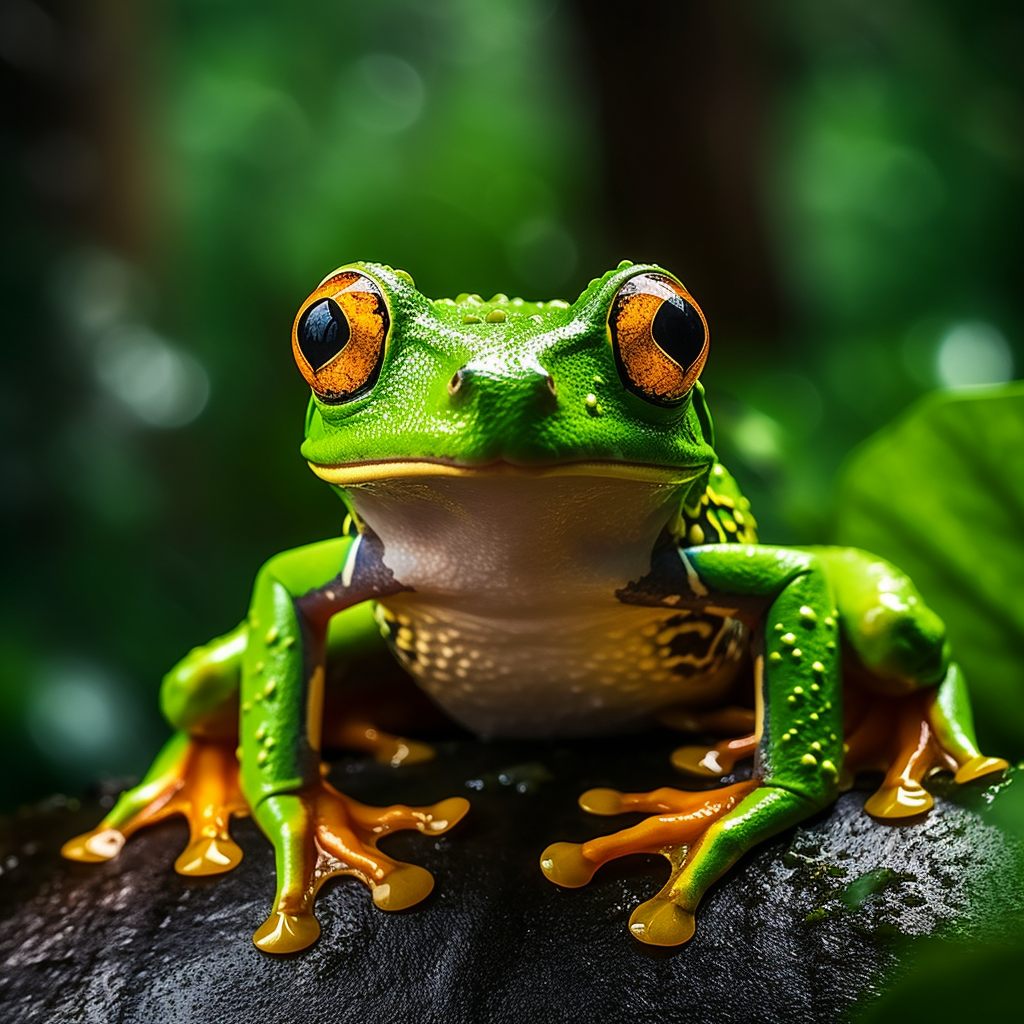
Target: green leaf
940 493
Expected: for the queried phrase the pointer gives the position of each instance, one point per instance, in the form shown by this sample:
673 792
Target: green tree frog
540 533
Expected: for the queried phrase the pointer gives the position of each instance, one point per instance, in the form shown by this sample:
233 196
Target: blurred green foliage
228 155
941 493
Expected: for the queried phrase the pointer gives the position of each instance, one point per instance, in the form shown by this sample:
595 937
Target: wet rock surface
802 930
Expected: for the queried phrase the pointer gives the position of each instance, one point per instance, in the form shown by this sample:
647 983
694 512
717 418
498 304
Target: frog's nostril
456 382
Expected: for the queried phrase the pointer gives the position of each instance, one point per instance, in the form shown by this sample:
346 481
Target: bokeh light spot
72 715
973 353
161 385
389 94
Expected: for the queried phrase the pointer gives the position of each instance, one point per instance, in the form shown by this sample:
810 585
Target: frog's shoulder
717 514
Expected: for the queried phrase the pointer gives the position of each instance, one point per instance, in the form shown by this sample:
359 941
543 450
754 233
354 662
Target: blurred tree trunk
683 95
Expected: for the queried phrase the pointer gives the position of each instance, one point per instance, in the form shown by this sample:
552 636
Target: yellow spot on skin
808 616
779 627
831 645
829 767
816 746
809 759
818 667
797 653
815 687
798 689
696 534
271 636
496 316
471 318
788 638
261 757
786 737
775 657
814 716
246 707
261 732
791 699
829 621
270 687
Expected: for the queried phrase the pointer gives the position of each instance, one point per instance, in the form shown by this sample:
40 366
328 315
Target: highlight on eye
659 337
340 335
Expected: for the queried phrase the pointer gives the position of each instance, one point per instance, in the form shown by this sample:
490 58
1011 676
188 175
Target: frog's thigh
199 695
897 638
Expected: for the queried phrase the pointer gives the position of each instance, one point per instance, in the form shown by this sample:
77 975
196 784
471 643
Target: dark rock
800 931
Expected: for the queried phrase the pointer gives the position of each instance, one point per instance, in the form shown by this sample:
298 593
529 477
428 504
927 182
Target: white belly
579 674
512 623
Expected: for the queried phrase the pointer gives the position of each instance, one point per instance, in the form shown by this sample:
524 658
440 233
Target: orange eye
659 336
339 336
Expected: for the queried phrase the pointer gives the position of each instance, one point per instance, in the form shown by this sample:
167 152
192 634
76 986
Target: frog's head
405 386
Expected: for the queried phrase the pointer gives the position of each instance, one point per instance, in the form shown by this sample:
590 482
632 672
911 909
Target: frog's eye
339 336
659 336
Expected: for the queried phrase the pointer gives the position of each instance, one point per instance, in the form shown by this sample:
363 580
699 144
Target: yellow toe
403 887
208 856
286 933
660 922
564 864
602 801
93 847
899 801
979 766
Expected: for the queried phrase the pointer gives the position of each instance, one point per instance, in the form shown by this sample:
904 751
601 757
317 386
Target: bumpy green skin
793 600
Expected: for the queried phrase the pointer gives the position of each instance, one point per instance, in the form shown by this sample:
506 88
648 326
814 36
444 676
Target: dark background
839 185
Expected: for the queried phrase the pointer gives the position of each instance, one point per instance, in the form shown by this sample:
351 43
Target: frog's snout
503 386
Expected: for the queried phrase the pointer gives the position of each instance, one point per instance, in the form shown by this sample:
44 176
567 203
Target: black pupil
679 331
323 332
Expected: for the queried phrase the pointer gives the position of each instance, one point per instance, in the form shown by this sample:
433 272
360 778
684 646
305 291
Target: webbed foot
910 737
320 833
700 834
192 777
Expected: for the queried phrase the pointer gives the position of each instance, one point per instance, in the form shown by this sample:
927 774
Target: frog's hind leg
319 834
196 773
911 736
193 777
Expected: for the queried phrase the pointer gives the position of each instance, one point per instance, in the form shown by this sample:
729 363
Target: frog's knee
902 643
200 694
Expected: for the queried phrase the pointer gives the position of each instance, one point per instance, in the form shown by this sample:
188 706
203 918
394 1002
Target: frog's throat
364 472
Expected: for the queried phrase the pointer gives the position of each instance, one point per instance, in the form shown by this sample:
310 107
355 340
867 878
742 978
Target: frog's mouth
349 474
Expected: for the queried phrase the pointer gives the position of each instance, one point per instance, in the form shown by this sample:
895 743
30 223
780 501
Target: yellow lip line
364 472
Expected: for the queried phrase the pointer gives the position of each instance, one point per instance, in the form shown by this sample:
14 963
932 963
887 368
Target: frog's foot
192 777
712 762
320 833
385 747
909 738
683 828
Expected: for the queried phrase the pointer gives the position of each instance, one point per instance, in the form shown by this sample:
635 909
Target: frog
539 534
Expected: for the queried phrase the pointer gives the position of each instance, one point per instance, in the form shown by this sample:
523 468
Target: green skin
269 663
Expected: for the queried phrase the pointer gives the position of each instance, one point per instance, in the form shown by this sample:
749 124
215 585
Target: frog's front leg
317 832
785 596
